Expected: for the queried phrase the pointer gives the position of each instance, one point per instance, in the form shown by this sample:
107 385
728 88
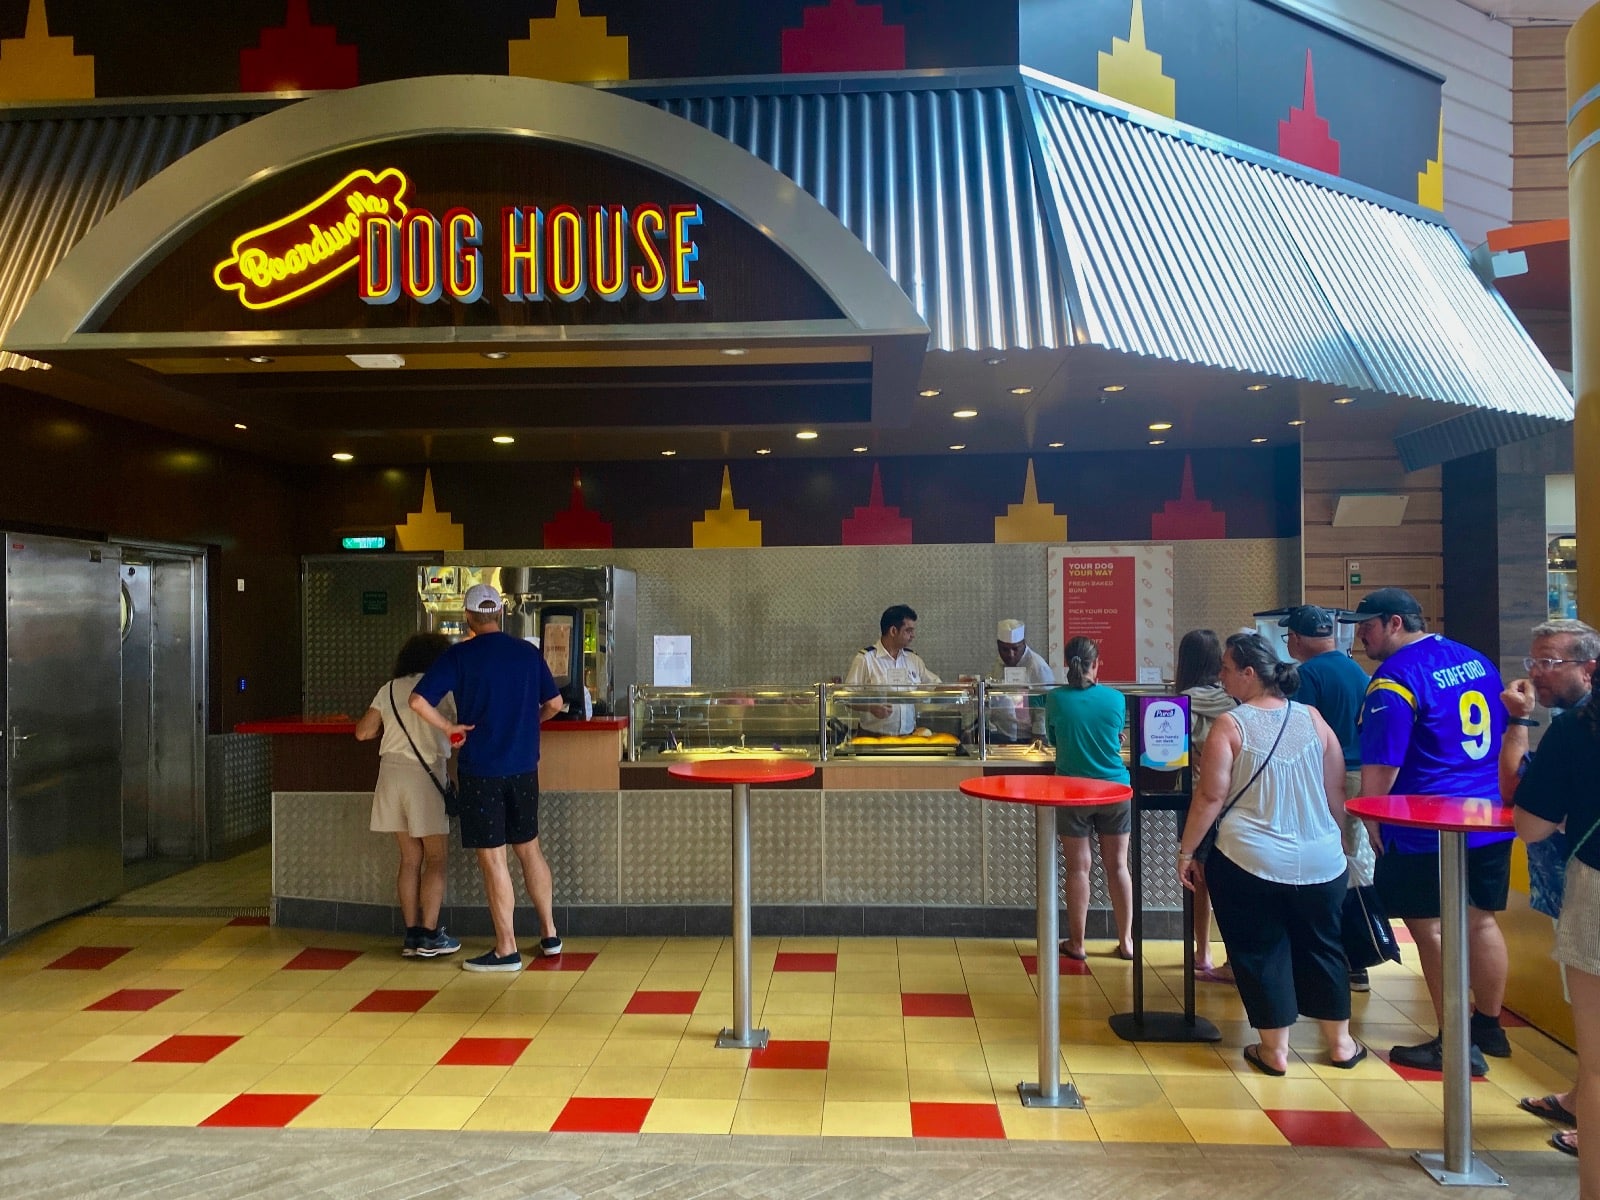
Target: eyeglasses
1549 664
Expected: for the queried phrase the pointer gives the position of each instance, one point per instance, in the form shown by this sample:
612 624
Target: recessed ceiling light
964 413
764 450
807 435
1022 391
343 456
1257 441
668 453
959 446
858 449
930 393
1115 387
240 425
503 439
1160 426
378 362
259 358
1256 387
735 351
996 360
1158 441
1298 422
496 355
1057 445
1344 399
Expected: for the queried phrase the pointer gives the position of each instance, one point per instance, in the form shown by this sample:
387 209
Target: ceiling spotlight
1160 426
344 456
1158 441
1257 441
240 425
929 393
1057 445
996 360
964 413
959 446
1115 387
378 362
496 355
1256 387
807 435
259 358
668 453
735 351
1344 399
1298 422
1022 391
764 450
503 439
858 449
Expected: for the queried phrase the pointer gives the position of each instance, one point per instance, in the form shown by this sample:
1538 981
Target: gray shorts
1578 931
1099 819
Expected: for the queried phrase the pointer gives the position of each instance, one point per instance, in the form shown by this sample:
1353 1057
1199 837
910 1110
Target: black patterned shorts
499 810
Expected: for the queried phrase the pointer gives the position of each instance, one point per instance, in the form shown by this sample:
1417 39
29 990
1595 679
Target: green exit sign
1355 577
372 542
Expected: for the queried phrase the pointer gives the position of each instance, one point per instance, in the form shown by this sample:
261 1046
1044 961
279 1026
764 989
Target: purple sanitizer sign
1164 732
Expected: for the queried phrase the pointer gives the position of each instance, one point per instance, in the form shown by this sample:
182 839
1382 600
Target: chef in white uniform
889 660
1009 721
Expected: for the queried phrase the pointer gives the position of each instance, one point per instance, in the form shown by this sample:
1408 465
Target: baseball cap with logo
1309 621
481 598
1385 602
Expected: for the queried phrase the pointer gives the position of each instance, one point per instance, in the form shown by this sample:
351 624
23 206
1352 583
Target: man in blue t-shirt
503 690
1432 724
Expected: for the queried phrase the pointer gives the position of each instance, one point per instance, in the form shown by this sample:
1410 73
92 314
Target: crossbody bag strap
412 744
1573 853
1237 796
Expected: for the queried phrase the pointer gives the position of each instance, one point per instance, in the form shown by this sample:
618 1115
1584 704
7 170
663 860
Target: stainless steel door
135 711
177 798
63 818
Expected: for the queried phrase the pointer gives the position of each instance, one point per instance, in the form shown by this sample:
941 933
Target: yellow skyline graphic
726 526
1030 521
37 66
569 48
1132 71
1430 181
430 529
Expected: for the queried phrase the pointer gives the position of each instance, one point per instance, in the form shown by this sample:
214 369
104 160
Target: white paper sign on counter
672 660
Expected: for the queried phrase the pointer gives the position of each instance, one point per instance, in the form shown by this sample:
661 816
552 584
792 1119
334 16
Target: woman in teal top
1085 721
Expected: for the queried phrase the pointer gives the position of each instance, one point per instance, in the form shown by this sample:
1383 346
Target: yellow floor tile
701 1050
949 1087
845 1118
801 1004
560 1051
1205 1091
1231 1127
12 1071
877 1056
1312 1094
302 1078
791 983
1141 1123
459 1081
366 1025
516 1114
565 1026
232 1078
1121 1059
690 1116
1363 1096
785 1085
1408 1131
116 1047
541 1081
941 1029
794 1028
696 1083
868 1028
65 1077
1103 1093
399 1051
184 1109
1044 1124
655 1053
437 1025
866 1086
1182 1060
503 1025
429 1112
635 1028
345 1051
91 1108
149 1078
621 1081
24 1106
867 1004
794 1118
259 1048
373 1080
587 1002
220 1023
868 983
343 1112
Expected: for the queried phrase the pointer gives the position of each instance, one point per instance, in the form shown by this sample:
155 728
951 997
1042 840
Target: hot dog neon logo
312 246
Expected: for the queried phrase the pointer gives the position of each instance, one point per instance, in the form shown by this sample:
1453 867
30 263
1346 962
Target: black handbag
1364 929
447 790
1203 850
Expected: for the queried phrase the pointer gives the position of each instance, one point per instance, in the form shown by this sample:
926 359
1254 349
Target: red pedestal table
740 773
1047 793
1453 817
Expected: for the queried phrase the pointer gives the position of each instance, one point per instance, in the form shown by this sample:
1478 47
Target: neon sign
312 246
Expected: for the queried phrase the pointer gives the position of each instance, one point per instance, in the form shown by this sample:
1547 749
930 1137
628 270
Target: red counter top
344 725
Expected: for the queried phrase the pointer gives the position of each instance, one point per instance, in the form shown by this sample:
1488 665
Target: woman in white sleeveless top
1277 872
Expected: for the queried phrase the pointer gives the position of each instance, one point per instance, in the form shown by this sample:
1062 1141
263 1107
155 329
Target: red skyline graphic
1304 138
577 527
844 36
876 523
298 56
1187 519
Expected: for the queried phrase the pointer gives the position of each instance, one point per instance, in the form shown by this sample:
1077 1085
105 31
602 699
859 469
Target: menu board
1098 601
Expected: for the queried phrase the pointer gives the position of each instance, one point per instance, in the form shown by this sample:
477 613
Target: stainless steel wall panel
347 654
785 846
177 716
238 788
134 581
676 843
1225 581
1008 849
579 835
323 850
903 847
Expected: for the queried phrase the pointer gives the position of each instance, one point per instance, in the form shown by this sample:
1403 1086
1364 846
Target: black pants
1283 943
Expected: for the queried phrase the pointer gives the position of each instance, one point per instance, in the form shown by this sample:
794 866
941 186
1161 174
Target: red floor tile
394 1000
88 958
1343 1129
1069 966
791 1056
132 1000
188 1048
562 962
806 962
484 1052
1510 1020
1402 934
251 921
317 958
602 1114
935 1004
260 1110
956 1120
664 1003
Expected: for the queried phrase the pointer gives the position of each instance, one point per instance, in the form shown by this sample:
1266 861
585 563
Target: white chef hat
1010 631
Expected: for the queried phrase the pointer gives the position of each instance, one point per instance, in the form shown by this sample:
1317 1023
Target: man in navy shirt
503 690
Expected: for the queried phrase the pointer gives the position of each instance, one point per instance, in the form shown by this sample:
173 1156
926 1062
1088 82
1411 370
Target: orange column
1583 199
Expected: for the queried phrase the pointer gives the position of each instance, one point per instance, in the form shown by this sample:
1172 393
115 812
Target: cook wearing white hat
1018 664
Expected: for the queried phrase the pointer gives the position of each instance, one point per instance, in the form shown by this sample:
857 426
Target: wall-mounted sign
1098 602
312 246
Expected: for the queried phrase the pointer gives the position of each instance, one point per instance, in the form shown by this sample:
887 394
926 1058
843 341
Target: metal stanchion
1049 1092
741 1036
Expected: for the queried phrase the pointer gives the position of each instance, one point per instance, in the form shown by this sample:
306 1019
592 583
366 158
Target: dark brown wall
77 472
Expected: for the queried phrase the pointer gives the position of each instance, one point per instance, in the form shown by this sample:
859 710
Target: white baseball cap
481 598
1010 632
